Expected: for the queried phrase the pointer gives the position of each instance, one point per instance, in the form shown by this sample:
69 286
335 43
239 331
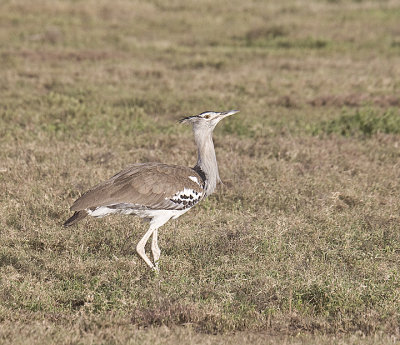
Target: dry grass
302 243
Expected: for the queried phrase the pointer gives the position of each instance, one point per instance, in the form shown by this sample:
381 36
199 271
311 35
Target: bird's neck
207 161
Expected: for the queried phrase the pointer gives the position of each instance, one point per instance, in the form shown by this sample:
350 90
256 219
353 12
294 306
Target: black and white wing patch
186 198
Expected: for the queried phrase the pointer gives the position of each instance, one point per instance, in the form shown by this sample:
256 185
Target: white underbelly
103 211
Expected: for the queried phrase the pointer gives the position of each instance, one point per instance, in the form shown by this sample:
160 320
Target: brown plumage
77 216
147 184
157 191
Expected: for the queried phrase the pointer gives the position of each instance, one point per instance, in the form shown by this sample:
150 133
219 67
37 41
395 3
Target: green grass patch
239 127
364 122
280 37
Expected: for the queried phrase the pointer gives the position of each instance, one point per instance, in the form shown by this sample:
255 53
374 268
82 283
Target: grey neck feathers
207 161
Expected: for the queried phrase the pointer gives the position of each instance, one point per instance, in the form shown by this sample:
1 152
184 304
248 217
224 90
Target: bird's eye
207 116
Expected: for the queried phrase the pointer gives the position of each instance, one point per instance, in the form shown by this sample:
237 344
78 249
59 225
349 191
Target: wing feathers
151 185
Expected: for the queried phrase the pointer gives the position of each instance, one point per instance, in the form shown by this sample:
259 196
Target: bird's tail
79 215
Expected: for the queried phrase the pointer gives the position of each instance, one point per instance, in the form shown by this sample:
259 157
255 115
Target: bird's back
155 186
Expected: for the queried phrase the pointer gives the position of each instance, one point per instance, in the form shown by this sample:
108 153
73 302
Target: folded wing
153 186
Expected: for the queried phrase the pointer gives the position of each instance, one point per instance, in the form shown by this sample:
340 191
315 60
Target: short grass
302 242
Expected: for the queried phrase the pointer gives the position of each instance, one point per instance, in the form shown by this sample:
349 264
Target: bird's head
208 119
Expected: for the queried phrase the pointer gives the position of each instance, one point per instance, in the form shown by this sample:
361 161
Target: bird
157 192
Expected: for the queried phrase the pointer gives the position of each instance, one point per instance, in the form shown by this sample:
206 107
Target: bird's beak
219 116
229 113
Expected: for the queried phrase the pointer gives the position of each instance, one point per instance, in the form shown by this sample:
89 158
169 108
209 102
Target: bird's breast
186 198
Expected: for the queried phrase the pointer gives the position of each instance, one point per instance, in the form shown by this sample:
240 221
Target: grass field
300 245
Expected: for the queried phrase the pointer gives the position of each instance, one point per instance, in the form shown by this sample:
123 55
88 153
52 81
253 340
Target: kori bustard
157 191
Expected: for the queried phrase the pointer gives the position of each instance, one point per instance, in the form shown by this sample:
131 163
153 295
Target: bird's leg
155 249
155 223
140 246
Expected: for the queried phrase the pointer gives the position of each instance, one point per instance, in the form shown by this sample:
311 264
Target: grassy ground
301 244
